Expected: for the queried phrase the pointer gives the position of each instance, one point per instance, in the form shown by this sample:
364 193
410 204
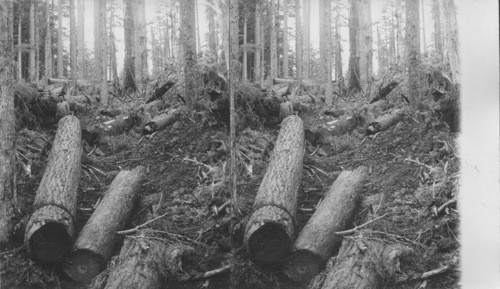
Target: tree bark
129 30
270 229
33 47
353 73
339 75
189 45
97 40
438 34
7 124
98 237
147 263
244 69
258 43
413 46
72 43
81 39
365 42
212 41
451 39
317 241
19 45
307 40
285 39
60 72
50 229
104 55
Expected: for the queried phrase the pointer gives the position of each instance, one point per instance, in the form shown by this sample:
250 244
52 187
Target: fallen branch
210 274
427 274
452 201
350 231
138 227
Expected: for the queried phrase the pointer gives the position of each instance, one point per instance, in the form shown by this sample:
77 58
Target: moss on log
270 228
50 229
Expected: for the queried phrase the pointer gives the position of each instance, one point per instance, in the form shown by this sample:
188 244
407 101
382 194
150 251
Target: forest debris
270 228
138 227
445 205
355 229
160 91
162 121
383 92
50 229
428 274
385 121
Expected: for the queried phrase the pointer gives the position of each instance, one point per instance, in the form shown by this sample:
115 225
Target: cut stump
270 228
146 263
317 241
50 229
98 237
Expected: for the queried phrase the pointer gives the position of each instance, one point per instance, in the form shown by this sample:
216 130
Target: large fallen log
362 263
270 228
160 91
162 121
50 229
98 237
147 263
383 92
317 242
385 121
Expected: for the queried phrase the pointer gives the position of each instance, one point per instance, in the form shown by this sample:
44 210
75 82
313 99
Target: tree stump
50 229
317 241
98 237
146 263
270 228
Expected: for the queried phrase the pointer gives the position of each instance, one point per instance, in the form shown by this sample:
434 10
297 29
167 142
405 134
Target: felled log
50 229
378 105
147 263
385 121
362 263
98 237
383 92
270 228
155 106
162 121
286 109
317 241
283 80
122 123
160 91
112 112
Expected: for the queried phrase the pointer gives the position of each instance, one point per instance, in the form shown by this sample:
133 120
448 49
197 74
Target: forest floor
413 170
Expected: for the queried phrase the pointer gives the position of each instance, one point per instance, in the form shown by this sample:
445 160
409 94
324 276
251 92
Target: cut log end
268 242
301 266
48 241
83 265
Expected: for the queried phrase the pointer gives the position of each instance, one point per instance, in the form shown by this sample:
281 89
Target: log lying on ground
162 121
383 92
122 123
361 263
147 263
385 121
160 91
98 237
50 229
317 241
270 228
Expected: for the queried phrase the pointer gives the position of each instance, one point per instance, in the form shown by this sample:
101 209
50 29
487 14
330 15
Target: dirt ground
413 170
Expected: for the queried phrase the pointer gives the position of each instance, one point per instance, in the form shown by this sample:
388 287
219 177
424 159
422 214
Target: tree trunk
285 39
98 237
298 42
50 229
385 121
60 72
307 40
129 29
383 92
32 74
274 45
7 124
72 43
258 42
270 229
364 42
197 27
37 45
451 39
424 49
438 38
327 25
104 54
318 240
361 263
189 45
413 46
147 263
97 41
353 74
81 39
212 43
162 121
19 45
244 68
339 75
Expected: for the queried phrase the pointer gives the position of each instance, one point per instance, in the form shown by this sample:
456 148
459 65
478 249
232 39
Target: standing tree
72 42
97 41
451 40
104 53
438 38
258 43
129 30
298 41
413 47
60 73
307 39
189 47
424 48
274 45
353 74
212 36
48 42
339 75
285 39
140 42
33 47
244 68
81 39
364 41
7 123
326 51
